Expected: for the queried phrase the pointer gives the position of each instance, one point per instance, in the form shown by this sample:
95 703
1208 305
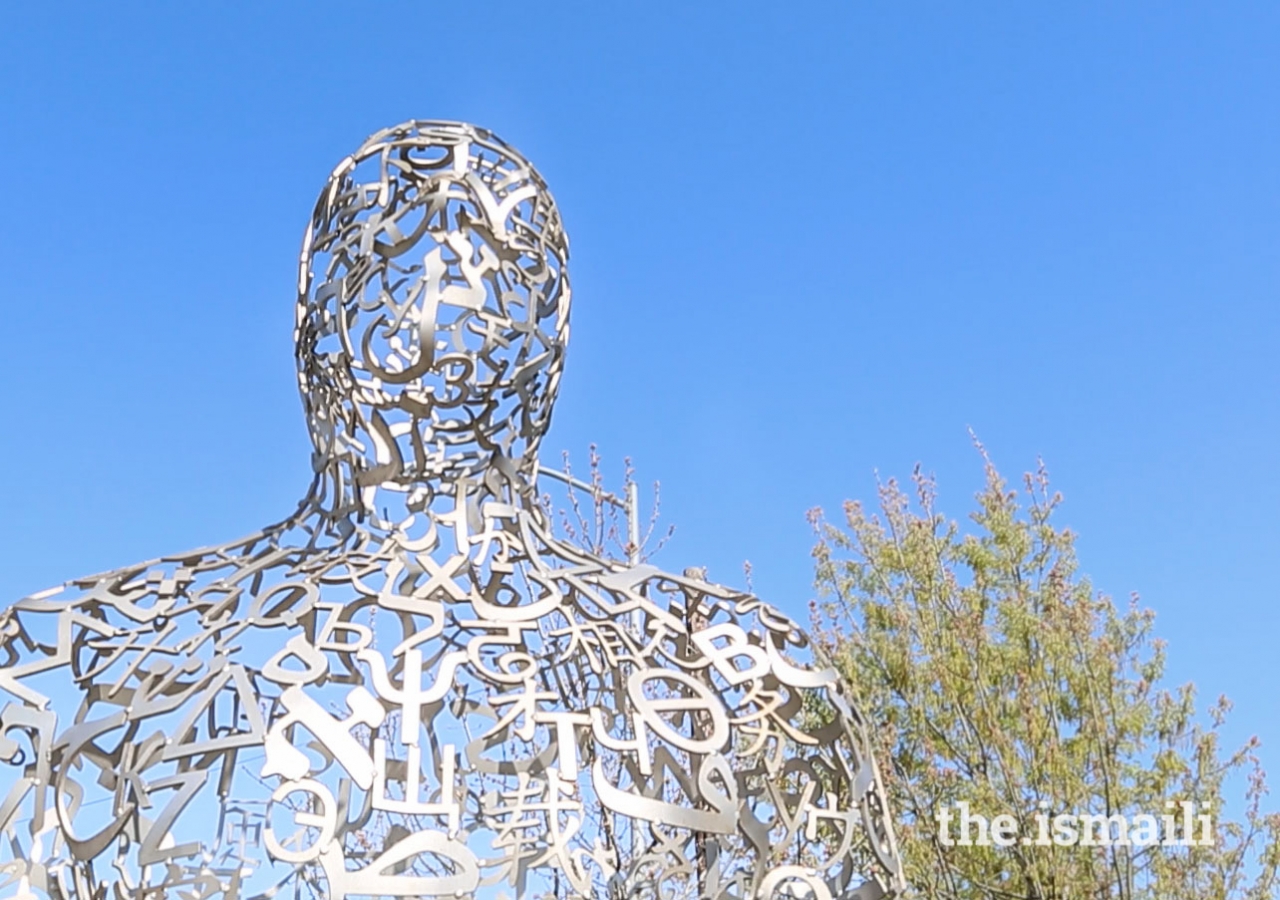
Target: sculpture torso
482 706
447 702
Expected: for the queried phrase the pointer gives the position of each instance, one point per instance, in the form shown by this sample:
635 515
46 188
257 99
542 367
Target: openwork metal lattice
410 687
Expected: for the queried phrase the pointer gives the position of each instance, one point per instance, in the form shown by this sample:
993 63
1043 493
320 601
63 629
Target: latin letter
1042 826
1145 830
1206 828
965 820
1064 829
944 825
1004 830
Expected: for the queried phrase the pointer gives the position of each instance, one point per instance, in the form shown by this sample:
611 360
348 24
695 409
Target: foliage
995 675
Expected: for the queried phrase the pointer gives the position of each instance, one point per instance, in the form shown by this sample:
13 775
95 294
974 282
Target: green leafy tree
997 677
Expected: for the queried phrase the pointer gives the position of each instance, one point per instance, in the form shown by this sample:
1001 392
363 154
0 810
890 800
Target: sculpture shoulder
737 631
158 586
168 601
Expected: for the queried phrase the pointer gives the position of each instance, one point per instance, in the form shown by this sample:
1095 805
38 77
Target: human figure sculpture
410 687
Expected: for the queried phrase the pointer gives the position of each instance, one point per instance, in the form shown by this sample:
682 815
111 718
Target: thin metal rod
633 523
583 486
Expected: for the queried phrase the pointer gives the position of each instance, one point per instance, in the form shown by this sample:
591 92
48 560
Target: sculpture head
433 307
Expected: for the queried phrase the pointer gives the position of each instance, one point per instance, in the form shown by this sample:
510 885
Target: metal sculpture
410 687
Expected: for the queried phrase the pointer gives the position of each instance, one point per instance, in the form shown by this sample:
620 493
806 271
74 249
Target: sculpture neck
347 499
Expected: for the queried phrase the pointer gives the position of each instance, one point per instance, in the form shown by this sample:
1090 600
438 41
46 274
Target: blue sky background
811 241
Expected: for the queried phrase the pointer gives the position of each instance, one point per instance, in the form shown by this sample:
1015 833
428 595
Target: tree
588 515
996 676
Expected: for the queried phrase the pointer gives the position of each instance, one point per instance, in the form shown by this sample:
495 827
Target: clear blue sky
811 241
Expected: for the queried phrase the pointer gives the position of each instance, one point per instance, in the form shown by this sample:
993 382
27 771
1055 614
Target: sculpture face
345 706
433 306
